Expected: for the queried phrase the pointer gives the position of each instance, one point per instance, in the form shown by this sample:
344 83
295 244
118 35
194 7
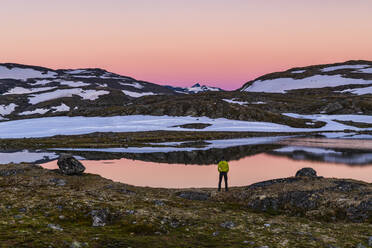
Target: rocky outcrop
311 196
69 165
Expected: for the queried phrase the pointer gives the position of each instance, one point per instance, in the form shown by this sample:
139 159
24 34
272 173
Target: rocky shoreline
45 208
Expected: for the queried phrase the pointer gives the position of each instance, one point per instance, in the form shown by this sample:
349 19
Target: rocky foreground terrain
43 208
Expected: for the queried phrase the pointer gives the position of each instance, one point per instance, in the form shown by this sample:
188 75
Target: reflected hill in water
338 156
200 157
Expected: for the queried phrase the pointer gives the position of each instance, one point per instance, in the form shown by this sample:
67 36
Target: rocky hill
29 91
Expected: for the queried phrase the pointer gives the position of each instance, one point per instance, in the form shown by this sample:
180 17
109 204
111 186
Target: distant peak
195 85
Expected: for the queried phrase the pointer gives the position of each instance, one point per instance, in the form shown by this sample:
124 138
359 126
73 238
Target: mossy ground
147 217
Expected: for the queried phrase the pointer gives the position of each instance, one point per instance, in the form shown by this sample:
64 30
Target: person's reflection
223 168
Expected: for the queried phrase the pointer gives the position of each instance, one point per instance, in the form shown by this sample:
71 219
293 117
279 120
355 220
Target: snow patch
341 67
298 71
233 101
134 84
85 94
23 73
73 83
21 90
36 111
359 91
7 109
61 108
137 94
367 70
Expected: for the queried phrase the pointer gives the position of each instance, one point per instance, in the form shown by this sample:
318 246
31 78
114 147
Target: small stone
22 210
129 212
18 216
228 224
61 217
360 246
159 203
58 181
55 227
267 225
215 234
75 244
174 223
306 172
370 241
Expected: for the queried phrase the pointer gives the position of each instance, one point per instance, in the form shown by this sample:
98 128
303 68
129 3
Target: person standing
223 169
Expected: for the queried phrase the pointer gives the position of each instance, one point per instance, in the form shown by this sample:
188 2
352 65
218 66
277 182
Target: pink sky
223 43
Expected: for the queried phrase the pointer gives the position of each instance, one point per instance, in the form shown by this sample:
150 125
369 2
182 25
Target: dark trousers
224 175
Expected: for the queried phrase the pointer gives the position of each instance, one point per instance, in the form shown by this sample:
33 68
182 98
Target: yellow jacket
223 166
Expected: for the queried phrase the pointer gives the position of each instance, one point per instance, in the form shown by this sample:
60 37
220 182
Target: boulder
69 165
306 172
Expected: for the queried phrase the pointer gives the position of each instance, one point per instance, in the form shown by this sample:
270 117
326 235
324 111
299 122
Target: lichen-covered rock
100 217
69 165
194 195
306 172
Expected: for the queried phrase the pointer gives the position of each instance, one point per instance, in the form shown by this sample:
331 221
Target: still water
244 171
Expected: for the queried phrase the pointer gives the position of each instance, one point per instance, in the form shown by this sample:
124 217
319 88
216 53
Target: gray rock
370 241
10 172
194 195
100 217
69 165
360 246
58 181
306 172
332 107
215 234
55 227
158 203
228 224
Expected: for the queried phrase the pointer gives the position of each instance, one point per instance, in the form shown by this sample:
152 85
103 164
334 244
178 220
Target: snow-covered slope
196 88
353 77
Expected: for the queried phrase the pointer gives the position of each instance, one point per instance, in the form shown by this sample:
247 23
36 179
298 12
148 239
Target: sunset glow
223 43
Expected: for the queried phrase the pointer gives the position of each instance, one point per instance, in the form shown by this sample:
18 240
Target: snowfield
281 85
50 126
23 73
85 94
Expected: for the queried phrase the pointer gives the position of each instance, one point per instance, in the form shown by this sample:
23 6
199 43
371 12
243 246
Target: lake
243 172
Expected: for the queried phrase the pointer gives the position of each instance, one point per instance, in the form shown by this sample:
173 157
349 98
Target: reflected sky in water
242 172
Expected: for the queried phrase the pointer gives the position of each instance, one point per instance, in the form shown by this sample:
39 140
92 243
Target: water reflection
242 172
